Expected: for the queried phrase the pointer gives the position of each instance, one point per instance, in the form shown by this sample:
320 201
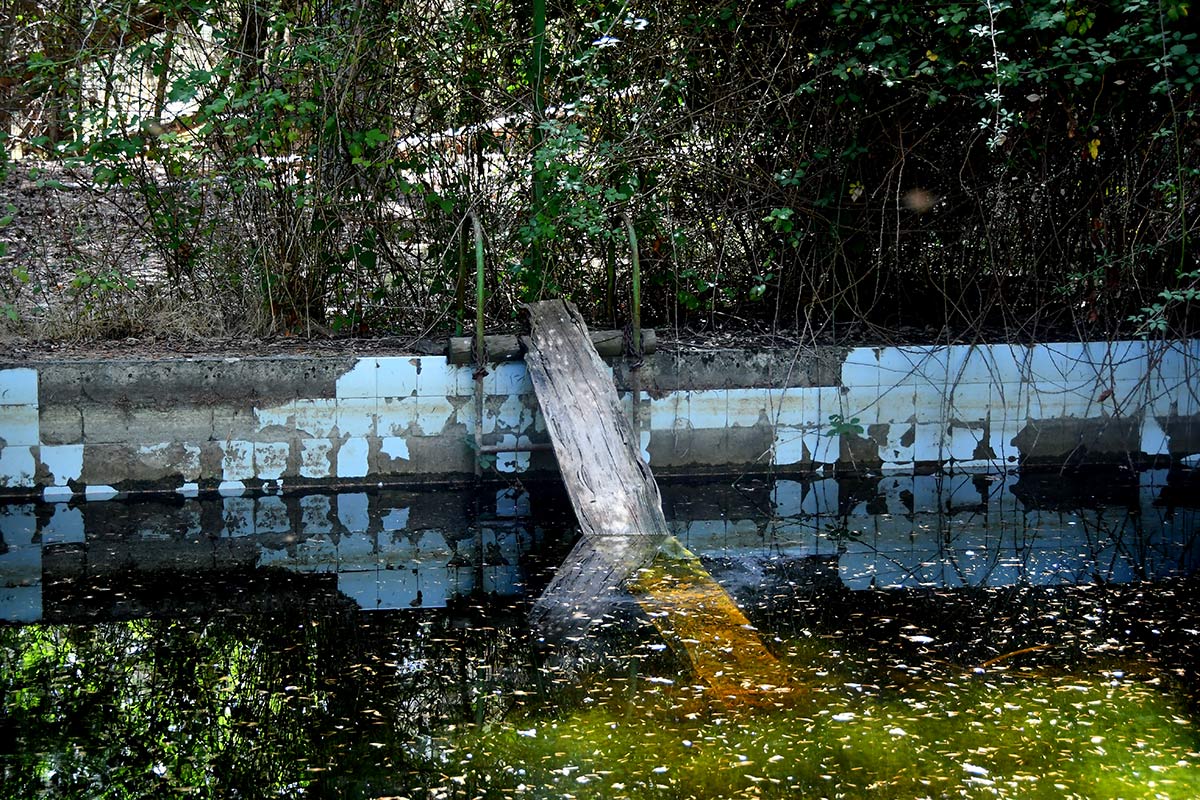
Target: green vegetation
303 167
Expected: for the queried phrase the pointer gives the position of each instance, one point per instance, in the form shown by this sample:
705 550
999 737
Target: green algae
980 736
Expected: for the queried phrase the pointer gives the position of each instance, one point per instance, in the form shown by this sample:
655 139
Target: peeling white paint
271 460
276 416
511 377
164 456
419 416
19 387
510 461
359 381
963 442
315 418
1154 440
954 396
789 446
237 461
57 494
797 445
663 411
352 458
395 447
800 407
861 367
99 492
513 416
397 376
63 462
19 425
314 458
436 377
356 416
705 410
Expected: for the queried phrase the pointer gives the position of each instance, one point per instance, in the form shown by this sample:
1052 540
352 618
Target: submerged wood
608 344
590 584
702 623
620 511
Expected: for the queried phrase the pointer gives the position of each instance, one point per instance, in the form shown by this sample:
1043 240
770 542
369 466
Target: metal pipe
480 351
636 265
635 377
534 447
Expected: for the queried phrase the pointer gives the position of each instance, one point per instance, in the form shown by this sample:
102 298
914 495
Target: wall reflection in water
392 549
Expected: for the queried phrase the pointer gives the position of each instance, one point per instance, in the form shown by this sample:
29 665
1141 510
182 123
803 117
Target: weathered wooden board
599 457
613 491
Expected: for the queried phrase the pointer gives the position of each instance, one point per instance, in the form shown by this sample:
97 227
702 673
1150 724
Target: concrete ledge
241 424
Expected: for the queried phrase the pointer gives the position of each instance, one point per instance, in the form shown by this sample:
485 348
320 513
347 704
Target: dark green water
982 638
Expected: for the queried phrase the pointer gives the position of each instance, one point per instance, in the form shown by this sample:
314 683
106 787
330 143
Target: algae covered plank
702 622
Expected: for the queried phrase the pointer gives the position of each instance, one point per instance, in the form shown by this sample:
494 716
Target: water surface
1020 636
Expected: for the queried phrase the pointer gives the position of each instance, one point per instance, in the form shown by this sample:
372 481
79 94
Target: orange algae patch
700 621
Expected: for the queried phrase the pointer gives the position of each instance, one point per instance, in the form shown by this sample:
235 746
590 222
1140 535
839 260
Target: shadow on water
1016 636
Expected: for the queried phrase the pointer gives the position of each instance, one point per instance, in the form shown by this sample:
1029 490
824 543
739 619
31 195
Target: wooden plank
620 512
611 487
614 493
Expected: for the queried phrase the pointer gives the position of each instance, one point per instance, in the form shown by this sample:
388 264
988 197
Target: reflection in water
948 636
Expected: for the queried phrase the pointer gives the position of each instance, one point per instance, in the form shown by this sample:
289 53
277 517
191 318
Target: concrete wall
99 427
